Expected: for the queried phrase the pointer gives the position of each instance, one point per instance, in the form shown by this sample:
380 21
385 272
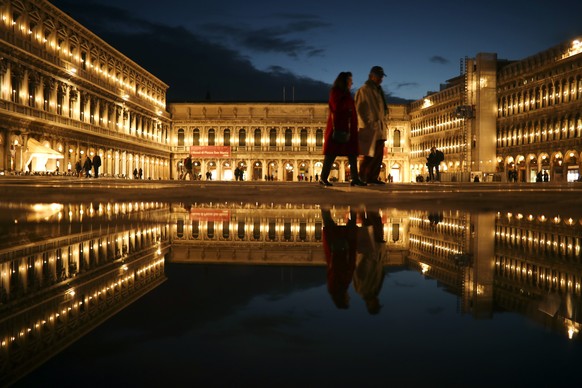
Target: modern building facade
66 95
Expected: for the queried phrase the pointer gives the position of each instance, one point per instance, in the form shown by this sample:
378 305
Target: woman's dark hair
341 82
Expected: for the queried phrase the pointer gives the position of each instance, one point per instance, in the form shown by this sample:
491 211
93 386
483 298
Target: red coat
341 104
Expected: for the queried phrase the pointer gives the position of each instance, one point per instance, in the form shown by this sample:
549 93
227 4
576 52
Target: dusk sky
234 50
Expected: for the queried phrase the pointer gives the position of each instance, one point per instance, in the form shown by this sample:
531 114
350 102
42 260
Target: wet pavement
107 282
437 196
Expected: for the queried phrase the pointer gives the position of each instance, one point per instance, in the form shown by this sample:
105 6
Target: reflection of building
77 96
66 268
524 263
83 265
538 268
262 234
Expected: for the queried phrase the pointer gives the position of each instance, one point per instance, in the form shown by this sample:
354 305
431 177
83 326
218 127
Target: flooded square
152 293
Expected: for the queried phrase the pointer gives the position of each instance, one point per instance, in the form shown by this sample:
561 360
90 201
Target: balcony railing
78 125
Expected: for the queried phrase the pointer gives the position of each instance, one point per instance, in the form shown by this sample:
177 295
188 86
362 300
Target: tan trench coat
371 117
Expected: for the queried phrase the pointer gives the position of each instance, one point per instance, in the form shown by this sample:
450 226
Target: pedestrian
372 110
78 168
135 173
433 161
188 167
546 176
87 166
342 117
96 164
140 173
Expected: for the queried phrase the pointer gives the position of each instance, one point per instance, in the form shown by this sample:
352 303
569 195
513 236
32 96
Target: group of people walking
363 119
87 166
357 127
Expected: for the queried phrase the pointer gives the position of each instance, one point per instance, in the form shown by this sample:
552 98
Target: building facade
269 141
539 115
75 97
505 120
66 95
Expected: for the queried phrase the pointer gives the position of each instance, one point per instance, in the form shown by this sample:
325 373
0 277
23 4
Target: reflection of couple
354 252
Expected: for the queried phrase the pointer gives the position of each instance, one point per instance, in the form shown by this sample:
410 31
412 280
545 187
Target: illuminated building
539 119
505 120
72 95
77 266
66 94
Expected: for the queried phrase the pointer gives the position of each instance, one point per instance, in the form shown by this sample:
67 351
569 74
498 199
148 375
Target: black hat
377 70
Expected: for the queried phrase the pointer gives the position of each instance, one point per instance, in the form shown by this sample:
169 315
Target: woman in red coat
342 116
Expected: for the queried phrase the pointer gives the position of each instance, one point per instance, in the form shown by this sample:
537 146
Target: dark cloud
195 68
271 39
404 85
440 60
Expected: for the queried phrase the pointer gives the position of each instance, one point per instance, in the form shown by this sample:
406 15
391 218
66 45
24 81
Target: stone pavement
564 198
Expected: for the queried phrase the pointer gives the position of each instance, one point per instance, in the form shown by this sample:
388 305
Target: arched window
180 138
396 138
211 137
227 137
257 137
303 138
196 137
273 137
288 137
319 138
242 138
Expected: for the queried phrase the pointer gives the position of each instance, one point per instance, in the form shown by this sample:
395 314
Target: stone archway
289 172
572 166
257 174
272 170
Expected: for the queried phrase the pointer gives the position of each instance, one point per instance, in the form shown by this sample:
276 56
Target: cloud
272 39
404 85
195 67
438 59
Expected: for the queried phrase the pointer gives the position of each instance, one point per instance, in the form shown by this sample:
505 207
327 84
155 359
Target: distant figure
188 167
78 168
546 176
140 173
96 165
135 173
434 159
87 166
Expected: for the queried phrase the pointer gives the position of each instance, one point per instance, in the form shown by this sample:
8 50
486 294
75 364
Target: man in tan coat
372 110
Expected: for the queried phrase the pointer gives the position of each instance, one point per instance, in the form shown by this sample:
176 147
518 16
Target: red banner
210 151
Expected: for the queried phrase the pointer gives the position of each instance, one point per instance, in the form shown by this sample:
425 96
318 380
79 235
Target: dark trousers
434 173
328 162
371 165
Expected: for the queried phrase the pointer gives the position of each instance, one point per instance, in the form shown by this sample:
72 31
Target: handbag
338 135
